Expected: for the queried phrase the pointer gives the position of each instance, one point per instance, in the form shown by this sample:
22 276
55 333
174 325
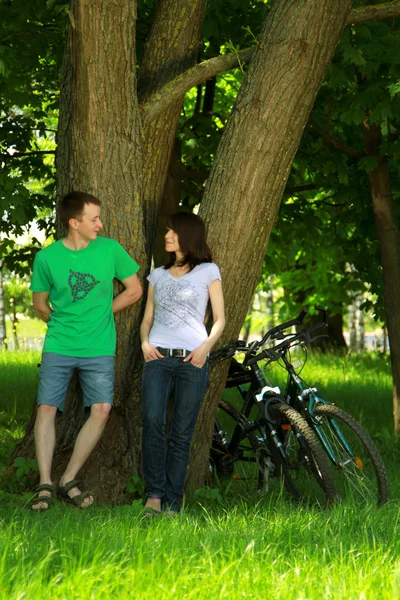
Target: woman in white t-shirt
176 346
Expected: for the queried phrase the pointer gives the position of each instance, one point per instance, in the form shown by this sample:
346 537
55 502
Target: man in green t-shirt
75 275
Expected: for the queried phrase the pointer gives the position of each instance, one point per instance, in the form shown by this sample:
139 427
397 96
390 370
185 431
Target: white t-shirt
180 306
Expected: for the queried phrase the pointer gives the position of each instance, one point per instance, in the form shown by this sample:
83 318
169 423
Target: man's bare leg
45 439
87 439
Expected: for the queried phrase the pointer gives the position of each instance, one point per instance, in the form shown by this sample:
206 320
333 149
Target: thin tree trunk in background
209 96
385 344
3 332
14 323
360 325
389 246
353 339
247 323
253 162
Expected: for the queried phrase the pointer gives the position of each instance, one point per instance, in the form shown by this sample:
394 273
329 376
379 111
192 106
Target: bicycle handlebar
274 333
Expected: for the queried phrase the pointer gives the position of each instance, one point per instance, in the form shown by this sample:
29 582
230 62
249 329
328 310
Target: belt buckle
180 353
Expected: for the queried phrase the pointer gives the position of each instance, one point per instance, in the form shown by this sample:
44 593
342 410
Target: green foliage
208 494
135 485
31 52
24 467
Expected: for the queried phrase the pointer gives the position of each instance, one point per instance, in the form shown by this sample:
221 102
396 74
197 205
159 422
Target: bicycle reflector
359 462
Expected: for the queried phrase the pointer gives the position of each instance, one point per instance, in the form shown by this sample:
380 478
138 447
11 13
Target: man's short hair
72 206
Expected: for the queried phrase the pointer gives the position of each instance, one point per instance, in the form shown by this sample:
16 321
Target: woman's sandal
151 512
40 498
78 500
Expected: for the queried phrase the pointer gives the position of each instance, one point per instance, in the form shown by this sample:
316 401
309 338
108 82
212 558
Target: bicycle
277 440
358 468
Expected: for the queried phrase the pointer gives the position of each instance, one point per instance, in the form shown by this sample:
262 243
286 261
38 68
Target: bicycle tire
363 475
284 469
305 469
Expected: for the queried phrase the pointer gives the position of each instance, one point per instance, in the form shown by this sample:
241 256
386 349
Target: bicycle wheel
303 466
250 459
361 473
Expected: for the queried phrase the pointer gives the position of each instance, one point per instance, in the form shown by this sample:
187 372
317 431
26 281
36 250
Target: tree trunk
254 159
14 323
3 333
270 304
353 338
247 323
389 246
361 326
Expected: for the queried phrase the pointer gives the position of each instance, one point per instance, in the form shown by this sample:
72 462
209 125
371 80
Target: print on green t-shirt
80 286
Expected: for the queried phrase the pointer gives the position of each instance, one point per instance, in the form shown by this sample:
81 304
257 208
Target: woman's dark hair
192 233
73 205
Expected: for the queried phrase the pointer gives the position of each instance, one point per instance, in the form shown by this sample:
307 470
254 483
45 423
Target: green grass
240 547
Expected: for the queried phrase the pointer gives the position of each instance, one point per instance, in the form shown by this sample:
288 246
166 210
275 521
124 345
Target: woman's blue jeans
165 465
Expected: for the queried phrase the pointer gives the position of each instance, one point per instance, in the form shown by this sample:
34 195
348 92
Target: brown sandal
40 498
78 500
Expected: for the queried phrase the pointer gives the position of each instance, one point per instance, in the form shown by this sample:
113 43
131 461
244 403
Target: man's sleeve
125 266
41 281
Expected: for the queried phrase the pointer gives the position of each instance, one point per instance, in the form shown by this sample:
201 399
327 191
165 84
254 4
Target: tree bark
389 245
254 159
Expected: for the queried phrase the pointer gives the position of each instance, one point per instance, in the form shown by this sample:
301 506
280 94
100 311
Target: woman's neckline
180 276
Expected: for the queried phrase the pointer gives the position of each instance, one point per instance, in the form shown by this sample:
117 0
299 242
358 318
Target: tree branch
7 156
301 188
374 12
336 144
178 87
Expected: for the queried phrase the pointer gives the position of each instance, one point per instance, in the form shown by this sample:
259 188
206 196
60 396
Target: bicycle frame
299 393
259 393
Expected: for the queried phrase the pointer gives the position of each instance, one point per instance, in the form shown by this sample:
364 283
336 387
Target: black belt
179 352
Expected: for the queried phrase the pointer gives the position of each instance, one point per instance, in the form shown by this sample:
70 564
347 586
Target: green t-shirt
80 286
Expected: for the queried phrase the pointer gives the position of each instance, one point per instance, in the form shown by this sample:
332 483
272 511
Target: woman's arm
199 355
149 352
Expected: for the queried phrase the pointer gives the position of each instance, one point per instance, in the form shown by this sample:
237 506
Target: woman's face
172 241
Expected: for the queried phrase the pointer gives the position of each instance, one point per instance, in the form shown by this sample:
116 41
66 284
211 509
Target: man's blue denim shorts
96 376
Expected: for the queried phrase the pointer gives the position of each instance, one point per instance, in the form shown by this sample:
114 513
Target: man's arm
40 305
132 292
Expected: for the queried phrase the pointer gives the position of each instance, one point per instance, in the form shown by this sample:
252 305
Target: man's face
88 224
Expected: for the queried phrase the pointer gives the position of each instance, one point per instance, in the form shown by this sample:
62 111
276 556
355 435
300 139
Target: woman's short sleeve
154 275
213 273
